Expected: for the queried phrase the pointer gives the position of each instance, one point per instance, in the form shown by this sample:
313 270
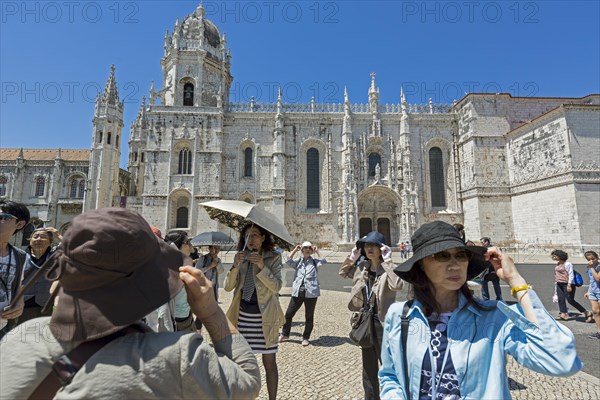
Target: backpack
577 279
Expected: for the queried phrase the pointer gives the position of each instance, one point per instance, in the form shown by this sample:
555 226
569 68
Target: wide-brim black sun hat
438 236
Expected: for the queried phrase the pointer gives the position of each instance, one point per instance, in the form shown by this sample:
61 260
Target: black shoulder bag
363 332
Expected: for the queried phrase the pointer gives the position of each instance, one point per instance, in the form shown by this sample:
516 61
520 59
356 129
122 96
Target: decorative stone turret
196 66
347 217
375 130
408 192
103 178
278 161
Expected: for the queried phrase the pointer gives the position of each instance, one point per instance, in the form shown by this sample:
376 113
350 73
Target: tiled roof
45 154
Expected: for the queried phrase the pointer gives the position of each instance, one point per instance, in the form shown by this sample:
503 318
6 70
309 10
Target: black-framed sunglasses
445 256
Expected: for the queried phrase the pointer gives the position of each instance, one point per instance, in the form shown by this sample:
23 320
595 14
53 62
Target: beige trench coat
386 285
268 284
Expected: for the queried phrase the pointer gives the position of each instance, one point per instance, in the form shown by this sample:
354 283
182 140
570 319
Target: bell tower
196 64
103 177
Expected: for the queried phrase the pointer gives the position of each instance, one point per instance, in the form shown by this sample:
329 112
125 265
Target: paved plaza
330 368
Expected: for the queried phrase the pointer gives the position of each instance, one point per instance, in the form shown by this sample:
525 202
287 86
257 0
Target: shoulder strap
404 334
65 368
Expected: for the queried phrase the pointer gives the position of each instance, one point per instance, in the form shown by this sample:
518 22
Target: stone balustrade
336 108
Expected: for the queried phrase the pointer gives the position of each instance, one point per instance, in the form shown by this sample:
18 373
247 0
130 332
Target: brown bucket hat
112 271
438 236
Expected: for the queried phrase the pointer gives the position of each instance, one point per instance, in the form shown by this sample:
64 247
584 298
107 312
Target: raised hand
354 254
504 266
257 259
386 253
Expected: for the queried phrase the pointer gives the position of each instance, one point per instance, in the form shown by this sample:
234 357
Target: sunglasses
445 256
6 217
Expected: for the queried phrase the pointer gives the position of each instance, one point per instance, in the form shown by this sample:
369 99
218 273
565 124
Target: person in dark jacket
13 217
39 250
490 276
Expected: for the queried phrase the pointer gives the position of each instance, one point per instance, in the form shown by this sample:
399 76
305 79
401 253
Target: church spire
111 93
373 89
347 122
279 101
373 95
200 10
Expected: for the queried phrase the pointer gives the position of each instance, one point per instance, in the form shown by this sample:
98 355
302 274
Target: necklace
434 353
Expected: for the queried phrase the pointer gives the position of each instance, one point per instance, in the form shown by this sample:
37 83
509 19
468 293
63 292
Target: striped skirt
250 326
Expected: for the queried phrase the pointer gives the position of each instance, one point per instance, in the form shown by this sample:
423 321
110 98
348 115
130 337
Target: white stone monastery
521 170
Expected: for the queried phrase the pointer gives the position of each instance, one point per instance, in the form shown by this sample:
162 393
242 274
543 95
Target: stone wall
547 217
587 197
584 134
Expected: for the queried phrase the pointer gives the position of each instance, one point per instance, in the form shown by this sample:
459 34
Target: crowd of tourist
129 304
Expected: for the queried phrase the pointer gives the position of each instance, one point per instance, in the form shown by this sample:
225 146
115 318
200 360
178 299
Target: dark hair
178 238
363 253
267 243
486 239
46 231
424 291
562 256
17 209
461 230
591 253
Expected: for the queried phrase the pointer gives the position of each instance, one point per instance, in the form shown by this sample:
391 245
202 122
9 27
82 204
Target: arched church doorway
379 209
383 227
365 225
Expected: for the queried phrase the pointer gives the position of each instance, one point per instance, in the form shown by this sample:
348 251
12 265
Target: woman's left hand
504 266
257 259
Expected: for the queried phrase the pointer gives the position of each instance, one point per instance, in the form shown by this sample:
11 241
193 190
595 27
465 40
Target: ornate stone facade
387 167
520 170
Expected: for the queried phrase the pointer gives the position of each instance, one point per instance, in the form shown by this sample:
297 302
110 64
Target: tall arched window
77 187
99 137
436 177
108 138
185 161
313 187
74 187
374 161
81 189
117 142
3 182
188 94
40 186
182 217
248 162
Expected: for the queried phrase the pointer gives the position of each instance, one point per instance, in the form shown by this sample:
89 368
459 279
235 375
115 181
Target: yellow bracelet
517 289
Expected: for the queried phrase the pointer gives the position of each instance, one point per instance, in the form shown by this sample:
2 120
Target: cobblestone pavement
330 367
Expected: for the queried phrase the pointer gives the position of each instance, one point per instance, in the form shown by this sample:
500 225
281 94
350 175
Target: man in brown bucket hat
112 270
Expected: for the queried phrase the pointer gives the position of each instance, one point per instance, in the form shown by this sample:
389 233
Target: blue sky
56 55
